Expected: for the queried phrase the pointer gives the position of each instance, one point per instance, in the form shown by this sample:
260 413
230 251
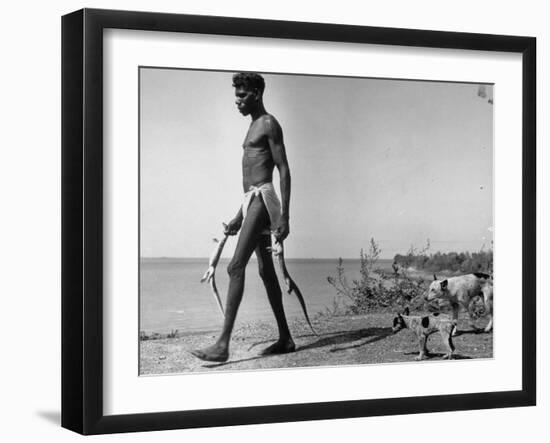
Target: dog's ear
444 284
435 277
406 311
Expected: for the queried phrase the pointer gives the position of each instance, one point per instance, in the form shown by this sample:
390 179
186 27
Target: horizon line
166 257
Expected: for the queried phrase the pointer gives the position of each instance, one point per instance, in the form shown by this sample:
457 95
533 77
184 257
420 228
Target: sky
395 160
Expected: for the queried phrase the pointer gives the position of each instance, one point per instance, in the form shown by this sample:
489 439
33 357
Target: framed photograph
269 221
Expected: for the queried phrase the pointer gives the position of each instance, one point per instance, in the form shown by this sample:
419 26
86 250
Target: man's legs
271 283
257 219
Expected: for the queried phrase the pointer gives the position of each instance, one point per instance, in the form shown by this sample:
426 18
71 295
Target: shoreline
163 330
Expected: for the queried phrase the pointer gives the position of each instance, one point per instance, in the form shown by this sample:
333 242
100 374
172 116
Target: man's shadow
330 339
439 355
476 331
344 337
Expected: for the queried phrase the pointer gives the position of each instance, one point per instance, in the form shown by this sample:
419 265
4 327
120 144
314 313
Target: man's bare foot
212 353
280 347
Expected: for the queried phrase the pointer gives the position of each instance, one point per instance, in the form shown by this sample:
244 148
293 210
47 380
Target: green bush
376 288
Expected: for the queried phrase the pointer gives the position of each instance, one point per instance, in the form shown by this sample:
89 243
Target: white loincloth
271 201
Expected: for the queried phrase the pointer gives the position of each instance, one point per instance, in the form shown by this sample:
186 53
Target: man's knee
236 268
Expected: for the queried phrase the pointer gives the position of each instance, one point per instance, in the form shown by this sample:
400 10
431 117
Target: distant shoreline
300 259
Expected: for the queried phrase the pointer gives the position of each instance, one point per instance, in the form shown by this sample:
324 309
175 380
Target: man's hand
232 227
283 229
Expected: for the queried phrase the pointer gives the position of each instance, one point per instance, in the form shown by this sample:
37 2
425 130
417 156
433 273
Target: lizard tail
216 294
296 290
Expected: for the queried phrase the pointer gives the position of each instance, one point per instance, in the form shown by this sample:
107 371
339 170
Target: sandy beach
342 340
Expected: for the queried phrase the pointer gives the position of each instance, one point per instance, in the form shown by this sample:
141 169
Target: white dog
460 291
423 327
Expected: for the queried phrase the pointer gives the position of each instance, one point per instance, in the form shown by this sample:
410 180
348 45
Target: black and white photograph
293 221
275 222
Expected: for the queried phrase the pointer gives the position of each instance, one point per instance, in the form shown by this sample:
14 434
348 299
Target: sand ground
342 340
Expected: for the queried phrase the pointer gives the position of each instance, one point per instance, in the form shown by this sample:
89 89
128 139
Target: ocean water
172 296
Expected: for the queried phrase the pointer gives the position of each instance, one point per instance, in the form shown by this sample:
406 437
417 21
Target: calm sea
172 296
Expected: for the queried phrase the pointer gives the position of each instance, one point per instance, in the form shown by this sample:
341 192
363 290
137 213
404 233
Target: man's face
246 100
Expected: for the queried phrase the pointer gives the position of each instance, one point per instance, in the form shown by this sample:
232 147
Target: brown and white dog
460 290
424 326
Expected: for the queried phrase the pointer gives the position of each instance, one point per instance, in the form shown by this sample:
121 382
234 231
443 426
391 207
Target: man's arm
234 225
276 145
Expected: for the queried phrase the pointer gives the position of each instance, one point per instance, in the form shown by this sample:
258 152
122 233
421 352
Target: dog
423 327
460 290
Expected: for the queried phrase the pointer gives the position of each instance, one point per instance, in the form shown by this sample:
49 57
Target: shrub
172 334
376 288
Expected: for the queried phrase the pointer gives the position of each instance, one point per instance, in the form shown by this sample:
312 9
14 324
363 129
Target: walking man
260 214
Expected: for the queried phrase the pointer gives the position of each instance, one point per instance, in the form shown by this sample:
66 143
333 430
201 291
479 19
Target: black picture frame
82 220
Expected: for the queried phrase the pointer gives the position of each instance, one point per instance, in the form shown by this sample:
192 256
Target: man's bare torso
258 161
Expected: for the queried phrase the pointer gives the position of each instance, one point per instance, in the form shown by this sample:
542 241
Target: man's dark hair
249 80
